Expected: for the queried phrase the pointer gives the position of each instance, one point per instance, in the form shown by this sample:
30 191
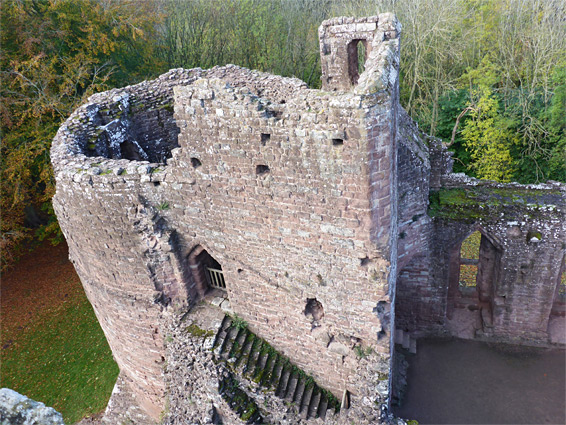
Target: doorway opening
557 319
473 273
206 272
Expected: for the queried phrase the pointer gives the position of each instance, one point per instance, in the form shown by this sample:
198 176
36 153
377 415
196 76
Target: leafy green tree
277 36
54 55
556 118
487 134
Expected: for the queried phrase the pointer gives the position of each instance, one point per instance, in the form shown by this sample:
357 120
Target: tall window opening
559 303
562 284
357 55
469 261
557 318
474 272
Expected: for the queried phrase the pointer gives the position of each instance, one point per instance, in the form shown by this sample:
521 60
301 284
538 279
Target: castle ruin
329 221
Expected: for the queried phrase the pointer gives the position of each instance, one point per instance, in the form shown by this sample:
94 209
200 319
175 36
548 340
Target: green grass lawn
59 355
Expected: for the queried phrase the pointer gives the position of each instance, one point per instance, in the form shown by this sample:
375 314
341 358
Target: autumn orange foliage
54 55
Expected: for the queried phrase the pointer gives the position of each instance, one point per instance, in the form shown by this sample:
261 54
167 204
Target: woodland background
487 76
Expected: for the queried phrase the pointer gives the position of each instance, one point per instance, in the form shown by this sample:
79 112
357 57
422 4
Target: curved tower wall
291 190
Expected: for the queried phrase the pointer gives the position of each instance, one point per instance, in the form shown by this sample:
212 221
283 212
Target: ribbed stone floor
469 382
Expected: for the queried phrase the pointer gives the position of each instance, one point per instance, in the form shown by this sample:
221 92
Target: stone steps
251 357
239 401
406 340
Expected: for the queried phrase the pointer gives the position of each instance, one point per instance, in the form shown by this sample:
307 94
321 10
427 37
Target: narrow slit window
265 138
337 142
357 54
469 260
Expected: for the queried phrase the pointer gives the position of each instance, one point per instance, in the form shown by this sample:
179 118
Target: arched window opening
474 272
477 271
357 55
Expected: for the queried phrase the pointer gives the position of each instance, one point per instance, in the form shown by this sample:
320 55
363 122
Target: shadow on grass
59 355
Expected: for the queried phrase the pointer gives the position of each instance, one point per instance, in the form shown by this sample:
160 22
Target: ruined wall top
132 130
355 53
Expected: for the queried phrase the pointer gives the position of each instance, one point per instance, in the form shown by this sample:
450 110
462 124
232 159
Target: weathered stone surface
287 188
339 348
17 409
318 208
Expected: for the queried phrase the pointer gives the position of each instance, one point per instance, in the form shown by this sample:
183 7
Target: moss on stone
137 107
238 400
194 330
168 107
250 410
473 203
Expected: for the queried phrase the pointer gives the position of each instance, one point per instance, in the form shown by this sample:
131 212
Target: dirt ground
456 381
41 281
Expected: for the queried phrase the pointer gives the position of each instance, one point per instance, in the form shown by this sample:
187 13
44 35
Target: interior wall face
519 264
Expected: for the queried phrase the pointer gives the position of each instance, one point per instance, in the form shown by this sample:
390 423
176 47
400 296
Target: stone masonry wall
416 296
525 231
333 218
293 192
297 231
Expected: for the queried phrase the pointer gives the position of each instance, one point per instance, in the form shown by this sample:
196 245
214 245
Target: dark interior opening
206 271
195 162
130 151
265 138
314 309
133 131
261 170
357 54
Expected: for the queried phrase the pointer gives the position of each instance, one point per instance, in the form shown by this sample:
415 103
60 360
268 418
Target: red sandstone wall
300 231
321 223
